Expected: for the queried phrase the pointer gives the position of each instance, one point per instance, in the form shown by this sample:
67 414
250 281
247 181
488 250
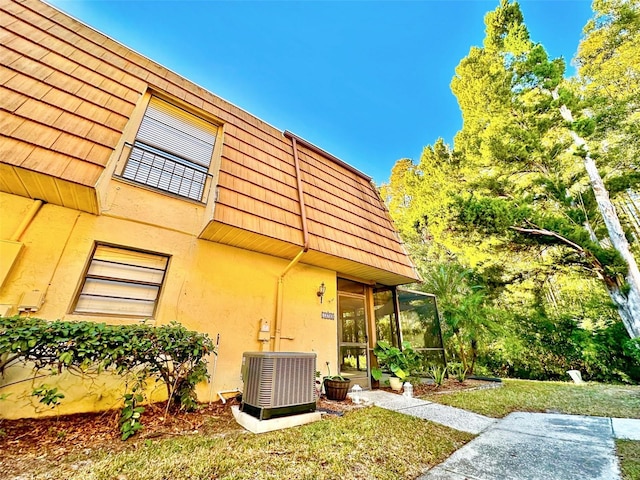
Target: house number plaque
328 315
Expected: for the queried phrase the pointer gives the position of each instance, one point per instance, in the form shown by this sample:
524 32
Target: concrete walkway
521 446
457 418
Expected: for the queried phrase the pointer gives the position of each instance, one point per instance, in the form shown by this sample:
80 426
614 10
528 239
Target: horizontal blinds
114 306
131 273
122 282
110 288
172 129
130 257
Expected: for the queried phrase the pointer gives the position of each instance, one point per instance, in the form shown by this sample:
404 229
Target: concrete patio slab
626 428
521 446
390 401
510 454
576 428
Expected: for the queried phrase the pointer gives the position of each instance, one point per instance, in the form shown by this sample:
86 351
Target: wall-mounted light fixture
321 290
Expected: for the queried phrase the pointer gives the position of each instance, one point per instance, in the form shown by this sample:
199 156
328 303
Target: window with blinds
122 282
172 151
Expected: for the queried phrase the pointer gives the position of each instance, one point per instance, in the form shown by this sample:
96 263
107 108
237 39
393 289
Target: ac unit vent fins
278 384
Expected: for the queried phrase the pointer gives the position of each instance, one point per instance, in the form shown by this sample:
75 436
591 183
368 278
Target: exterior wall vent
277 384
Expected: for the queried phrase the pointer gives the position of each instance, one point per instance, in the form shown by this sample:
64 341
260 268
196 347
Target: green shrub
438 374
169 353
401 362
458 370
544 348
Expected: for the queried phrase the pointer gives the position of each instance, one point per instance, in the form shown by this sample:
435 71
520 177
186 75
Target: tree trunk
463 356
628 305
474 357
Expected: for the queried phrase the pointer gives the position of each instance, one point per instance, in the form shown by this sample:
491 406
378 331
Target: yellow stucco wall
209 287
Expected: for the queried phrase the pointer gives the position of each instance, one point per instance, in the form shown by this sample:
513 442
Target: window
120 281
172 151
411 316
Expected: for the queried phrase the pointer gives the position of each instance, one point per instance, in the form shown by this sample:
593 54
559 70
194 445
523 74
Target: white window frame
121 281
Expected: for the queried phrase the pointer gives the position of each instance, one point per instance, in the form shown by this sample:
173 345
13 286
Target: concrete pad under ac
255 425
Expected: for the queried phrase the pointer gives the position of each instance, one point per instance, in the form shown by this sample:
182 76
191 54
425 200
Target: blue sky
367 81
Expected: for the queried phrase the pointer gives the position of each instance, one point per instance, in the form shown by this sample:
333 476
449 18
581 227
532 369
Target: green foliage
401 363
584 127
48 395
490 215
168 353
536 69
544 347
332 377
631 349
438 374
621 183
462 302
611 259
614 28
130 416
605 260
130 421
567 97
458 370
505 225
609 78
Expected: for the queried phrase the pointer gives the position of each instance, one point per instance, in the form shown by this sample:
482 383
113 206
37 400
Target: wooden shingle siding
67 92
353 226
12 149
263 209
66 114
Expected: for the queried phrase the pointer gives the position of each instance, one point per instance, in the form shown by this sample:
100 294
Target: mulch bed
450 385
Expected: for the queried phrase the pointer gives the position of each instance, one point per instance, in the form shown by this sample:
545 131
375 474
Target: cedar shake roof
66 95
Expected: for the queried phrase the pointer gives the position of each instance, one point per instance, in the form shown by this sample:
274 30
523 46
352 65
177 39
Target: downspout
296 259
26 221
303 208
279 301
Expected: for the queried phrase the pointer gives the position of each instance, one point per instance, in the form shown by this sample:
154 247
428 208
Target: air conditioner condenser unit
277 384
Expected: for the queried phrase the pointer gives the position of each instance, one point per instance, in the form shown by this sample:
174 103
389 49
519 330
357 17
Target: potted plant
336 387
400 362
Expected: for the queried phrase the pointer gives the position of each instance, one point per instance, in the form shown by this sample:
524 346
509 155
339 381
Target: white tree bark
629 205
628 305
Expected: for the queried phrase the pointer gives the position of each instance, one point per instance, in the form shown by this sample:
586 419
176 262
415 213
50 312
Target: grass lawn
588 399
529 396
629 454
363 444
